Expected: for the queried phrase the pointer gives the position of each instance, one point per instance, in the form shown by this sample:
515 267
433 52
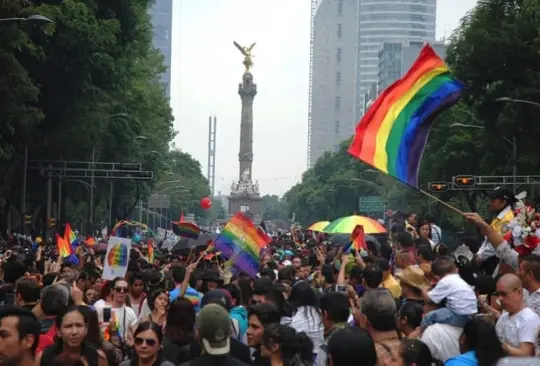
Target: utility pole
59 208
49 203
111 192
92 182
25 176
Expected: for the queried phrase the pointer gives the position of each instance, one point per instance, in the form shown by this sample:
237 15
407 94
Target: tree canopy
86 85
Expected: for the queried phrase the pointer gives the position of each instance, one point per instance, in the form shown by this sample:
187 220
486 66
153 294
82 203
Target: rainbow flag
357 240
113 323
241 243
90 241
69 235
150 251
64 249
186 230
393 133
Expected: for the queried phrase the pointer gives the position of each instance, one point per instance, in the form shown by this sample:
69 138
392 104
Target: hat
214 329
220 297
503 193
414 277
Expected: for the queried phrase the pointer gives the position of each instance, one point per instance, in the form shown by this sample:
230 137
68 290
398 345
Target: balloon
206 203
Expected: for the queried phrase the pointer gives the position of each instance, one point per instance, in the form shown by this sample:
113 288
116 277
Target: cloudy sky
206 70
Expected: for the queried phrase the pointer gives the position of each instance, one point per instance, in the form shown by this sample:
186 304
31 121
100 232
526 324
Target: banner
117 258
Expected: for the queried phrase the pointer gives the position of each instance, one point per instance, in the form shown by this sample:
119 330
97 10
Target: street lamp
512 142
379 188
31 19
510 100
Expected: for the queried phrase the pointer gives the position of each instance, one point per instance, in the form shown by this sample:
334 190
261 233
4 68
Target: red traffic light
464 181
438 186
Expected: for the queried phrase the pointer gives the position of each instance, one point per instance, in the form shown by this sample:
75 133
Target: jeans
445 316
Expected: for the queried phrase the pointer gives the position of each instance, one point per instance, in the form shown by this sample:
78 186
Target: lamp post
30 19
511 100
512 142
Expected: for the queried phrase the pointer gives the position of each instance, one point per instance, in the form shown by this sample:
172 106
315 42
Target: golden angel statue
246 51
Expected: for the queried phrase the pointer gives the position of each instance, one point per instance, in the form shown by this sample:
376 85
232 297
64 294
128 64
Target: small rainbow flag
64 249
186 230
69 235
90 241
113 323
241 242
356 240
393 133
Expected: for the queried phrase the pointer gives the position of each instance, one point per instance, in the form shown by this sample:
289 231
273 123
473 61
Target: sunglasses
149 341
121 289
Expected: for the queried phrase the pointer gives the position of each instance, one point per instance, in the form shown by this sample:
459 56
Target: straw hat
414 277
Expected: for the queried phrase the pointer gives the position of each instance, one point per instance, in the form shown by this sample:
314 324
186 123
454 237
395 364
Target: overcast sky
206 70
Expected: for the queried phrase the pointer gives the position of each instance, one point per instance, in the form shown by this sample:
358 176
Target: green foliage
87 83
273 208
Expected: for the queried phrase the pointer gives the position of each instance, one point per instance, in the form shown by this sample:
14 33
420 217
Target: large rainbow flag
393 133
241 243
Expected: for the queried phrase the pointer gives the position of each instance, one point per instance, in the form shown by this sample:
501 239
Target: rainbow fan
118 256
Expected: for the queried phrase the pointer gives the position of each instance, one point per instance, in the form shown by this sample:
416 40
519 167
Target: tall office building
332 75
395 59
391 21
161 14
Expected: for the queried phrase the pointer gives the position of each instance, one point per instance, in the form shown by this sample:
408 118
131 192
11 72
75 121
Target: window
339 30
338 79
338 54
337 103
340 7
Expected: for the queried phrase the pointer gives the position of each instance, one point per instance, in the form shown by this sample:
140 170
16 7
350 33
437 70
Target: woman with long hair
479 345
179 333
147 343
95 339
158 302
306 314
286 347
72 330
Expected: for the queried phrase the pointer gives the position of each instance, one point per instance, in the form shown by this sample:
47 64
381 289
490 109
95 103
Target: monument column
247 90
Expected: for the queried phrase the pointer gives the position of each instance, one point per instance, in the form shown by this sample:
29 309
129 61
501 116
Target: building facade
161 14
395 59
388 21
332 75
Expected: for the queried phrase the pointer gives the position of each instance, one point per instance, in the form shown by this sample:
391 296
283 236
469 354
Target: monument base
249 206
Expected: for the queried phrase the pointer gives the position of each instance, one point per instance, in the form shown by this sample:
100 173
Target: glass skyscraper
390 21
161 14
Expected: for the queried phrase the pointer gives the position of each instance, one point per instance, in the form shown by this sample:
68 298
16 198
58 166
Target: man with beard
19 334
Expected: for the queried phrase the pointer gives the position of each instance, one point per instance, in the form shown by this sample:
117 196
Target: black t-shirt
7 294
208 360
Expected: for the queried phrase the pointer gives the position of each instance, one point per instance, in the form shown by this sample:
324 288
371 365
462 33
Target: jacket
240 314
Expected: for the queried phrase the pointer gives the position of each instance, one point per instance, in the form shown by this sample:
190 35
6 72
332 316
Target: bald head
510 281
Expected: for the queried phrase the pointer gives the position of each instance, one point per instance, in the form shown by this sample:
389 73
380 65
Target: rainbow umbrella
345 225
319 226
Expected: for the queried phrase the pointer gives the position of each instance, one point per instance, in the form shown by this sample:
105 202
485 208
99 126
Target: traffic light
464 181
51 222
27 219
438 187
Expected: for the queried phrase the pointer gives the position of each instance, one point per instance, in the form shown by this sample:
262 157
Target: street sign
371 204
159 201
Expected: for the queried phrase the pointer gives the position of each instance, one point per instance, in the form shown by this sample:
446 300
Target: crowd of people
402 301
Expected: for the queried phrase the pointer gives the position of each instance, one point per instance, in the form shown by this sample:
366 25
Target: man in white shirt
518 327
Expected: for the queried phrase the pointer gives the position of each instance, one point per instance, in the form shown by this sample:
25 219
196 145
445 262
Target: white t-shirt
442 341
125 316
460 297
521 327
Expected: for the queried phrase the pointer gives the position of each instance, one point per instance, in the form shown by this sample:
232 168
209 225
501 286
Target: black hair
28 324
180 321
442 266
405 240
412 311
423 223
415 352
302 295
335 305
373 275
426 252
154 295
178 274
235 293
268 272
28 288
137 276
266 313
144 326
532 262
356 274
292 345
383 264
480 336
352 347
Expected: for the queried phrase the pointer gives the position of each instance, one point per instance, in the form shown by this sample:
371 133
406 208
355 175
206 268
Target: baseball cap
214 328
503 193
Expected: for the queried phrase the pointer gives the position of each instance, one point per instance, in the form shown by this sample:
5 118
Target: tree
64 90
273 208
